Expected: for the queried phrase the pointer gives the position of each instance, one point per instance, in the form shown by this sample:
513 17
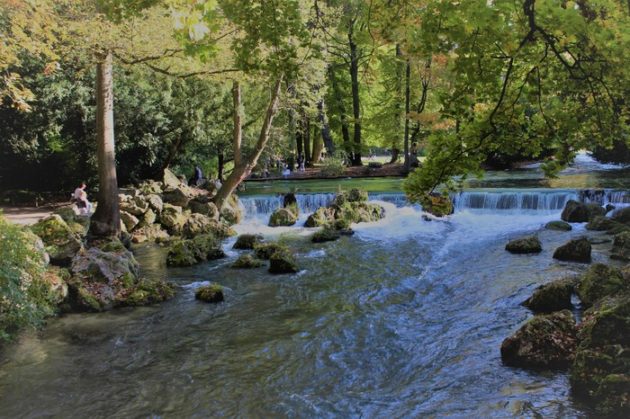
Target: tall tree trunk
407 110
221 165
306 130
299 136
356 102
395 154
243 170
345 132
326 135
237 136
318 144
106 220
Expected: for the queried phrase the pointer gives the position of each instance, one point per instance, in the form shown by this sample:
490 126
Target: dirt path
27 215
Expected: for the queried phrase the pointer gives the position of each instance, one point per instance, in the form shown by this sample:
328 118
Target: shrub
24 296
334 165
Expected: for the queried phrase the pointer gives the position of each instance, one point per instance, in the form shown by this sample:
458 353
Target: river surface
403 319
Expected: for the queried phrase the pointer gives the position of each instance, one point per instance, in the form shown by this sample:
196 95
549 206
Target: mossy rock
181 253
530 244
321 217
172 218
60 241
326 234
265 250
621 247
357 195
247 262
558 226
231 211
66 213
577 250
554 296
547 341
601 223
212 293
575 212
438 205
247 241
282 262
600 281
622 215
149 292
282 217
208 247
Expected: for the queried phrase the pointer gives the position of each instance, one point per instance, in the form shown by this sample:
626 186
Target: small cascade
604 196
264 205
529 200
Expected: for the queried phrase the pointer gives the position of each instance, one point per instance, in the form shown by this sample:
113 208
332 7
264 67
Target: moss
558 226
599 281
438 205
554 296
212 293
282 217
282 262
88 301
247 262
321 217
529 244
357 195
247 241
150 292
578 250
265 250
181 253
326 234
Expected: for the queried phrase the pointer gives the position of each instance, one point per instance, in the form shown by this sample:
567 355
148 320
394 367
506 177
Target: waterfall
264 205
540 200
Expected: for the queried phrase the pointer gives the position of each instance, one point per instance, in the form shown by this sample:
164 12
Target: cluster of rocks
281 258
95 277
597 350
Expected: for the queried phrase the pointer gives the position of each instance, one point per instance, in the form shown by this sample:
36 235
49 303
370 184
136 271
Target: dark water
404 319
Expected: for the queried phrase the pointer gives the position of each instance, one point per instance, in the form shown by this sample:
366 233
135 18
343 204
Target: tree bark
356 101
318 145
345 132
407 109
306 132
221 165
237 136
299 137
243 170
106 219
326 135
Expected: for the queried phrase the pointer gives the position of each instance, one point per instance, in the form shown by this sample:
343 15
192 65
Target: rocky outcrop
621 247
554 296
282 262
247 262
321 217
579 212
546 341
577 250
106 277
172 217
600 281
190 252
265 250
558 226
530 244
212 293
60 241
345 209
247 241
436 204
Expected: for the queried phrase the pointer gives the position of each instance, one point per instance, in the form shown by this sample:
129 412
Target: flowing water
403 319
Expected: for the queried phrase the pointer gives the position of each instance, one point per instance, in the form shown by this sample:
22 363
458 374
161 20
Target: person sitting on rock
81 200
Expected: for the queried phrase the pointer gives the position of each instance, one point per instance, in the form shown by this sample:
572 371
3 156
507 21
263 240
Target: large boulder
282 217
190 252
231 211
106 277
621 246
247 262
149 187
622 215
558 226
56 280
172 218
547 341
203 205
282 262
170 180
436 204
149 217
600 281
601 371
321 217
554 296
180 196
247 241
602 223
153 232
60 241
155 203
129 220
575 212
577 250
265 250
530 244
197 224
212 293
325 234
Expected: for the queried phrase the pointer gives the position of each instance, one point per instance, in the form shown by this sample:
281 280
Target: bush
334 165
24 296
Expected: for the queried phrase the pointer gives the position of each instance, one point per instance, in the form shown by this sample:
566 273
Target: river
403 319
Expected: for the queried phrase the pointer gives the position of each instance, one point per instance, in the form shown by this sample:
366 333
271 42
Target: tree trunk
299 136
237 136
221 165
326 135
345 132
395 155
318 144
356 102
106 220
306 131
407 109
243 170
